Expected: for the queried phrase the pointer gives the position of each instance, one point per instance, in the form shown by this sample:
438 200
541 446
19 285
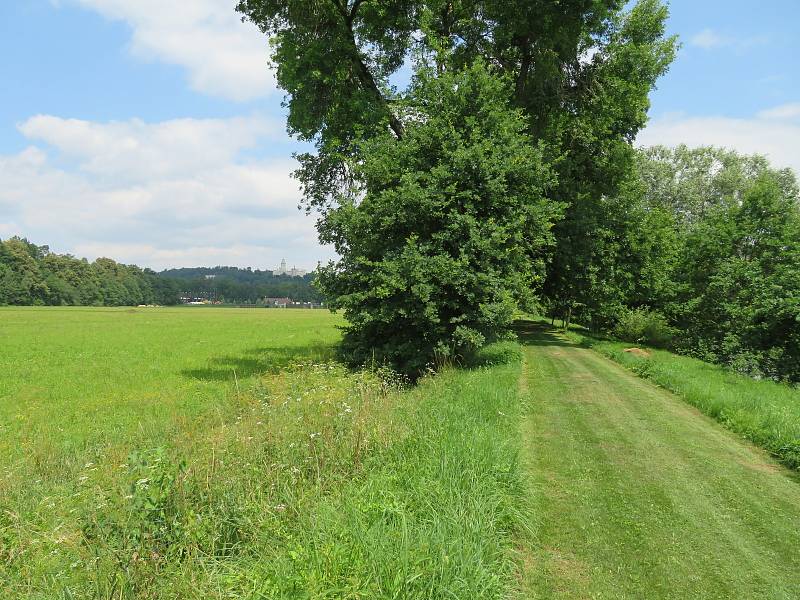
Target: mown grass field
639 496
203 453
765 412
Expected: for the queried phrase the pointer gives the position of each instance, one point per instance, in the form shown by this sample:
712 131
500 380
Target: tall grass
295 479
765 412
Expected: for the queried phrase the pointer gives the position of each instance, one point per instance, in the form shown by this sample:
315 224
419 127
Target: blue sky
151 131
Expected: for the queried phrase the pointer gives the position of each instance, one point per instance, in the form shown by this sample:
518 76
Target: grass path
638 495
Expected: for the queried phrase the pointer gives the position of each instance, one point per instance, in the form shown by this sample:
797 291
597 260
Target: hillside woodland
32 275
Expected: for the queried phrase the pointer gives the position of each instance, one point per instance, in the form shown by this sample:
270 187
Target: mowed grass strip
157 473
637 495
765 412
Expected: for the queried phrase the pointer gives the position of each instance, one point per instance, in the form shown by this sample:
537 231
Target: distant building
278 302
293 272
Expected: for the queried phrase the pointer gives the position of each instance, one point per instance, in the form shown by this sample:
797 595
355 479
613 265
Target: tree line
699 251
243 286
32 275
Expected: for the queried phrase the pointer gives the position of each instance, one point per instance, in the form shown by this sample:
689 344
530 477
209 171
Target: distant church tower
282 270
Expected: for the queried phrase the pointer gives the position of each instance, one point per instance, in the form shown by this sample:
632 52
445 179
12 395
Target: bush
449 236
644 326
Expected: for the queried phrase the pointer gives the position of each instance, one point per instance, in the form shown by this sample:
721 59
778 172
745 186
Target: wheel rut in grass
638 495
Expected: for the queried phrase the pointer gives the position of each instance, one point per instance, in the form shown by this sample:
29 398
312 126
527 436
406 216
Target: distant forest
232 284
32 275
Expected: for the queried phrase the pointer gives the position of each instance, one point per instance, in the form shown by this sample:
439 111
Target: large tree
451 232
726 273
578 70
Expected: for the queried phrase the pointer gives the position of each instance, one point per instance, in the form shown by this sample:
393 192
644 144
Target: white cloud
134 150
773 133
224 57
708 38
175 193
783 112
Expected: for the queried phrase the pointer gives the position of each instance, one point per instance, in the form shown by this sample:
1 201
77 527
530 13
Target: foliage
593 266
742 283
241 286
646 327
579 72
450 233
612 254
33 275
734 280
706 237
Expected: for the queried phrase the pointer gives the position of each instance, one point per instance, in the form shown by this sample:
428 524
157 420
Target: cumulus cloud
135 150
773 133
223 56
175 193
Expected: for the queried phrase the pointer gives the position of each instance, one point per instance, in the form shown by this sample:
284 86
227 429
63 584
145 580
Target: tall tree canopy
581 71
578 71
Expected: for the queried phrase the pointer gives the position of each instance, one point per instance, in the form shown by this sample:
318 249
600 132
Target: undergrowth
319 483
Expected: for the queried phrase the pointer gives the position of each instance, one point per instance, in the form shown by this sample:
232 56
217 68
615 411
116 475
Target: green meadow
219 453
158 453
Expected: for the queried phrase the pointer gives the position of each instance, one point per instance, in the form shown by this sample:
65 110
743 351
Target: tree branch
362 71
354 9
524 68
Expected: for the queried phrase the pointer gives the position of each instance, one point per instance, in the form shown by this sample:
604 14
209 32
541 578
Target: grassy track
637 495
765 412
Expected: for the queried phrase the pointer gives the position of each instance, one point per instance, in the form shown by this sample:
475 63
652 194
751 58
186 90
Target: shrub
644 326
449 236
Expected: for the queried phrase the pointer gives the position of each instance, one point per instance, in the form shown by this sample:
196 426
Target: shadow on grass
257 361
271 359
535 333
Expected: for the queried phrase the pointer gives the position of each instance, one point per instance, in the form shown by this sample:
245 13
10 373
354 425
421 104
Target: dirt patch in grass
763 467
638 352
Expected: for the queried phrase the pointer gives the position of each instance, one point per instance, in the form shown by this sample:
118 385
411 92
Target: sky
152 132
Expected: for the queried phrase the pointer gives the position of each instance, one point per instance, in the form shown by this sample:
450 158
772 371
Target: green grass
193 453
637 495
212 453
765 412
